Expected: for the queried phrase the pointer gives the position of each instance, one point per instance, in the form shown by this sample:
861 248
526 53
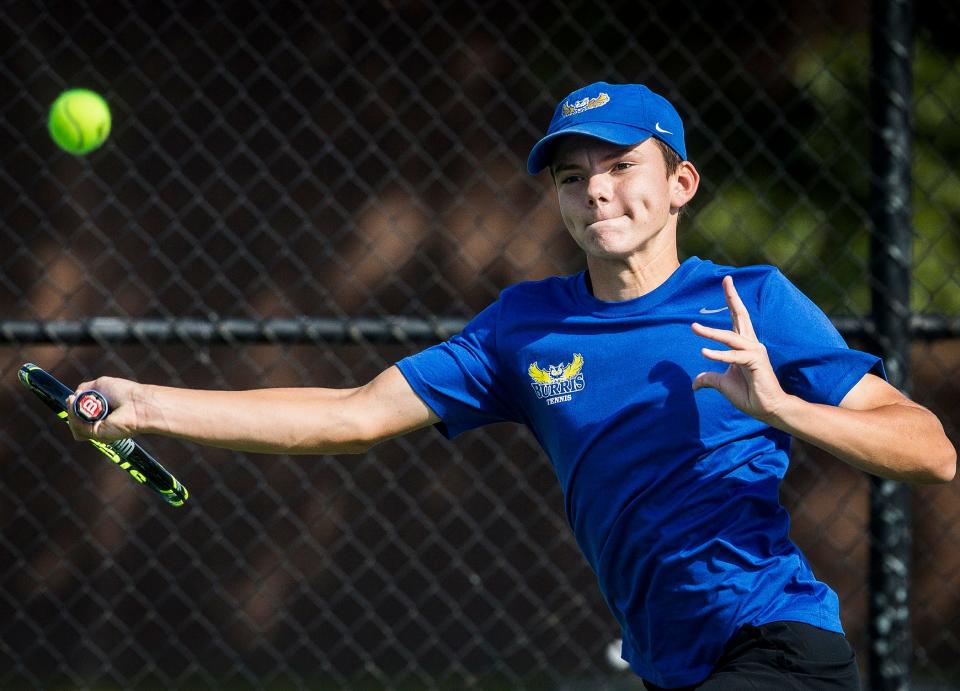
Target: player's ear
684 184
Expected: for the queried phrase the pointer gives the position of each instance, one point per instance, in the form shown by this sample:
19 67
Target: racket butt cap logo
90 406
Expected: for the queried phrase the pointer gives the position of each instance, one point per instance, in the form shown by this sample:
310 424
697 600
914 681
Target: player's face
615 200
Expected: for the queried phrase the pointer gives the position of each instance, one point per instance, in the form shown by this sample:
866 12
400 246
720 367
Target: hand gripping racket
126 453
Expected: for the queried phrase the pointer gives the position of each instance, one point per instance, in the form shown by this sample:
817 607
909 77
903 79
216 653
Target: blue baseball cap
616 113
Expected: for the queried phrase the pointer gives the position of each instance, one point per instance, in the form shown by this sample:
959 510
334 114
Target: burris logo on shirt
559 382
585 104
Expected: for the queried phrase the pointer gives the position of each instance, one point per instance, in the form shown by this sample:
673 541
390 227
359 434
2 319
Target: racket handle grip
91 405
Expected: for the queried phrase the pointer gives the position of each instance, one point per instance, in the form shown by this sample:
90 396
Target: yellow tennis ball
79 121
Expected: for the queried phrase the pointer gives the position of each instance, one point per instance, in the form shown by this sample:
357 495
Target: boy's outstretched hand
749 382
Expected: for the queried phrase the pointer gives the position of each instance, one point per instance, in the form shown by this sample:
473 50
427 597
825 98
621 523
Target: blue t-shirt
673 495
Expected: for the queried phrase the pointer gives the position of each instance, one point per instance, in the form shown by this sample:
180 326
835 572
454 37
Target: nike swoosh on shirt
704 310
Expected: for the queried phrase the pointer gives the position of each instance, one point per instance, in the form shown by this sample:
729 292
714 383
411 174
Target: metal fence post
890 264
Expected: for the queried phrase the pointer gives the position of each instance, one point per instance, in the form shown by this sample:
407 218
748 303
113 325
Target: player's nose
599 189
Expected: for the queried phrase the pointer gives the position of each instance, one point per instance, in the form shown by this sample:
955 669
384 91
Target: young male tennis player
664 393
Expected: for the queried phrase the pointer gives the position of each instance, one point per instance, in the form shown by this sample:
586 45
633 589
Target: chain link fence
362 167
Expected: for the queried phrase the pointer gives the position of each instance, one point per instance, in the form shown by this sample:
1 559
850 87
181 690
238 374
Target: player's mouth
601 223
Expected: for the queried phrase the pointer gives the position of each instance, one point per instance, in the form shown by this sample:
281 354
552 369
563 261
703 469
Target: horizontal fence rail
332 330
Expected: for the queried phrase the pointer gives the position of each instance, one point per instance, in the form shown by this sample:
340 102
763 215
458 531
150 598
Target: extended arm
875 428
293 421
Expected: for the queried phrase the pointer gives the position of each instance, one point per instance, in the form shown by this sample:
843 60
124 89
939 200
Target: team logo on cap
585 104
557 383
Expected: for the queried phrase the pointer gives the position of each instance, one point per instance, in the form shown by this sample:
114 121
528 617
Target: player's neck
626 279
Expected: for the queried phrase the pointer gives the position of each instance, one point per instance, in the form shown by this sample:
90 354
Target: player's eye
567 179
623 165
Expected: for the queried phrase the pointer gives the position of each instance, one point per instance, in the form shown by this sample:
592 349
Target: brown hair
671 159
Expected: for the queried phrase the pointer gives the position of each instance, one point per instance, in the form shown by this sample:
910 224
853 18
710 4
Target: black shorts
780 656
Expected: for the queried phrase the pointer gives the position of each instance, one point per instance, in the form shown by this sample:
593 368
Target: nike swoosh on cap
660 129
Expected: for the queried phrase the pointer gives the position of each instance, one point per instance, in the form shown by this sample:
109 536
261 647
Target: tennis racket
127 454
